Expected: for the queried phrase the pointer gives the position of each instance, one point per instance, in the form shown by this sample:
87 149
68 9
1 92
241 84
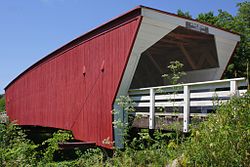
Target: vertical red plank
57 94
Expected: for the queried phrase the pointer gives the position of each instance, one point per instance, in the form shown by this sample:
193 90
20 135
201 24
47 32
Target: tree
207 17
183 14
2 104
240 24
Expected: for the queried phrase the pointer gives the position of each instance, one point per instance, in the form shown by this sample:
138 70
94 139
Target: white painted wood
200 103
155 22
149 33
158 104
156 25
197 84
210 95
170 114
186 108
175 20
153 27
224 49
233 88
205 99
152 109
157 97
225 41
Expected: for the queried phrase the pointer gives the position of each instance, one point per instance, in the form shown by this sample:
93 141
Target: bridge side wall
75 88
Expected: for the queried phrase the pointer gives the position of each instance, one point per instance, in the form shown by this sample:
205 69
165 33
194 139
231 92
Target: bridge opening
196 50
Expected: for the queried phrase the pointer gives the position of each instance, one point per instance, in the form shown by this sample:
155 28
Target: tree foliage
222 140
239 24
183 14
2 103
15 149
53 146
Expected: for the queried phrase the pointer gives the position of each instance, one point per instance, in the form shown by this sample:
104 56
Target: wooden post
233 88
152 109
186 108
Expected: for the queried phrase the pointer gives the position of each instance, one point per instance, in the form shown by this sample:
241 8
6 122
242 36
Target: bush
15 150
53 145
91 157
222 140
2 103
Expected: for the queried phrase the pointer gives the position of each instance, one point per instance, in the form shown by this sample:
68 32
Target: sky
31 29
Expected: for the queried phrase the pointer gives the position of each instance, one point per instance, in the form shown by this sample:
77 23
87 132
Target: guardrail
199 94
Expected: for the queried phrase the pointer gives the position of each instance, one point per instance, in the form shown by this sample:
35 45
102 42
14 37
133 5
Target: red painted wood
55 93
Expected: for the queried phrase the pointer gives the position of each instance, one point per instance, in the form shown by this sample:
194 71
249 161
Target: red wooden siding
56 93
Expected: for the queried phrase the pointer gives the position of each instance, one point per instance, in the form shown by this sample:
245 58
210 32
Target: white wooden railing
204 95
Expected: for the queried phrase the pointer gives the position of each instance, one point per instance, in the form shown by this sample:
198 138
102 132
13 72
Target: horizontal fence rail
186 98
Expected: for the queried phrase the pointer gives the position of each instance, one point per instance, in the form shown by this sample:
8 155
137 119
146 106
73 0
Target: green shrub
15 150
2 103
222 140
53 145
145 157
91 157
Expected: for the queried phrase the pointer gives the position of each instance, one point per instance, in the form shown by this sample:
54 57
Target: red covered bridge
75 87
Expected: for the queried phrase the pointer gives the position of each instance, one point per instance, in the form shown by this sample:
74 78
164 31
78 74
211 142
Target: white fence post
152 109
233 88
186 108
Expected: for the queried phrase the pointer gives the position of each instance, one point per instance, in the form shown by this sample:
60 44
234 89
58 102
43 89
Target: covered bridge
75 87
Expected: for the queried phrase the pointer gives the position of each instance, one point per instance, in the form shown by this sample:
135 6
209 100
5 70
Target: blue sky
31 29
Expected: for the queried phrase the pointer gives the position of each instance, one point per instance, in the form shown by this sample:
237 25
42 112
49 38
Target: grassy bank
222 140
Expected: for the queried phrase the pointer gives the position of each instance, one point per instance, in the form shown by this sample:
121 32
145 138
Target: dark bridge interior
196 50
